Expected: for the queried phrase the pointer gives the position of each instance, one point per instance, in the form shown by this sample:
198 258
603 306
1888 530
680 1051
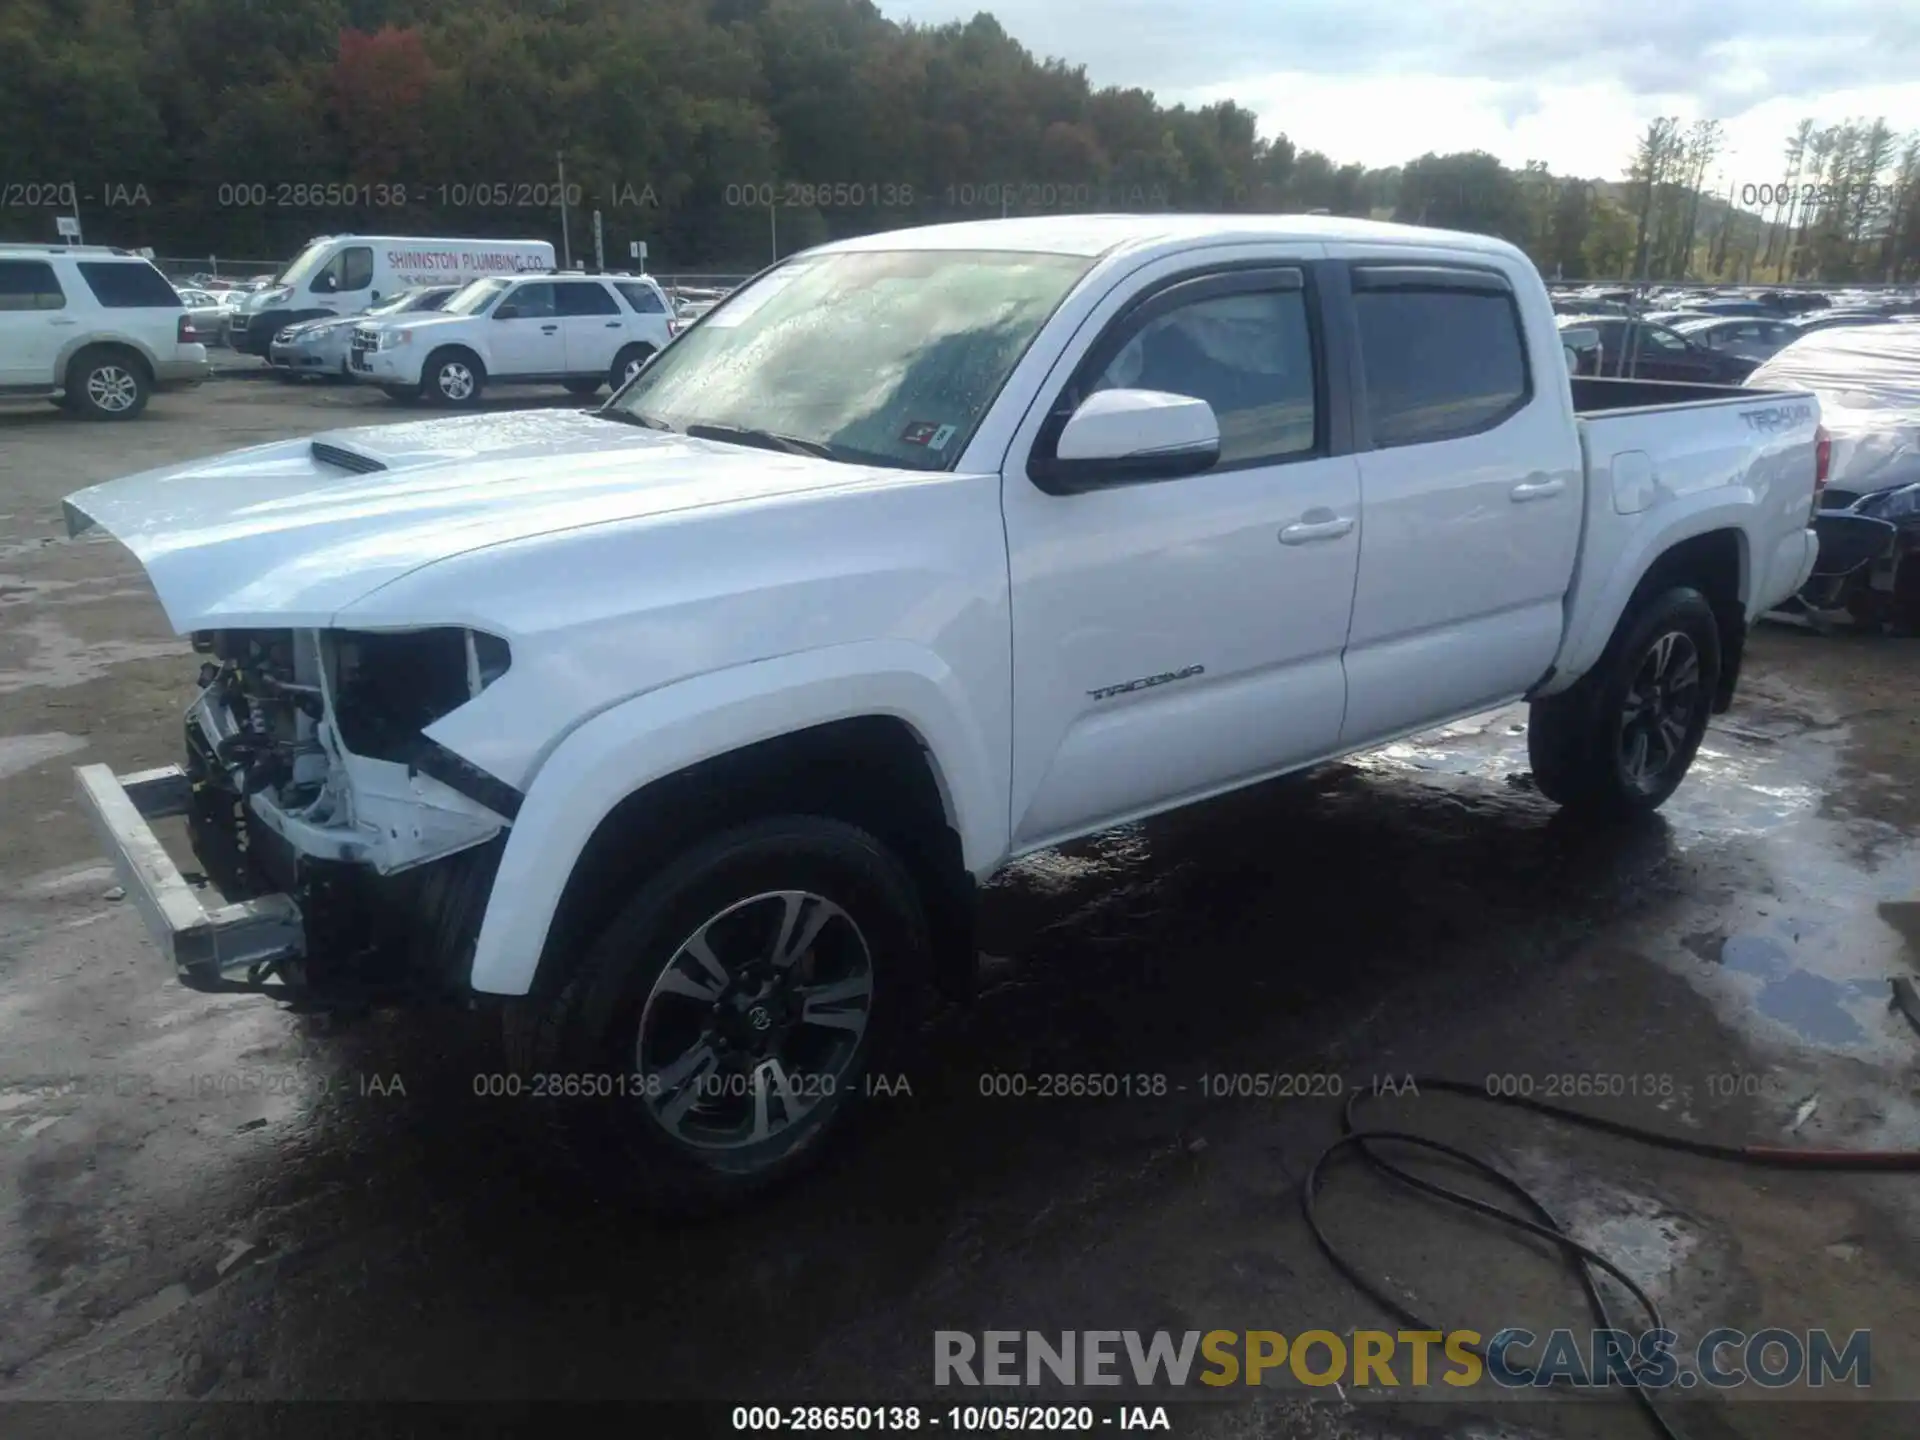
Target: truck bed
1599 394
1658 453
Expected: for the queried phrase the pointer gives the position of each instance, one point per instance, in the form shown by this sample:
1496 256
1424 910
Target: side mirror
1118 436
506 312
322 284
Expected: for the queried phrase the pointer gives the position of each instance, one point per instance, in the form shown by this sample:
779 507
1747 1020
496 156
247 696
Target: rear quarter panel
1661 475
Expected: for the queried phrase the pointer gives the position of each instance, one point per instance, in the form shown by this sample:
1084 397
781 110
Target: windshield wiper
765 439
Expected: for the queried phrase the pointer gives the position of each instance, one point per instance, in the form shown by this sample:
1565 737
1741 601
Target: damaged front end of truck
343 854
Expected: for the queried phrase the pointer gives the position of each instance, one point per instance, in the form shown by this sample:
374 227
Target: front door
1175 637
524 334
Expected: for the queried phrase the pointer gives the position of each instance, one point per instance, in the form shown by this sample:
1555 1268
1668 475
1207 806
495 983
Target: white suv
581 331
94 328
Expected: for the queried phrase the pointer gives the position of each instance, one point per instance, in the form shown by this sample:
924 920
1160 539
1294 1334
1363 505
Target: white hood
285 535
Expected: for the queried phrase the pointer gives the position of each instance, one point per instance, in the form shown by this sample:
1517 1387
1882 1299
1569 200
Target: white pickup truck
685 728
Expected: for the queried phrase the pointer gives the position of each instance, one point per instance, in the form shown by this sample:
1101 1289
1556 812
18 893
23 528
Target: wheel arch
1708 550
78 347
883 751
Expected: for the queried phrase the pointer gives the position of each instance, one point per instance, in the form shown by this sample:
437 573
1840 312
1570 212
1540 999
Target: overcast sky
1570 82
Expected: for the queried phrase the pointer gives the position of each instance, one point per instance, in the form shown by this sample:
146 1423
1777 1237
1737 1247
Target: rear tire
108 384
454 378
1621 740
698 1118
404 394
627 364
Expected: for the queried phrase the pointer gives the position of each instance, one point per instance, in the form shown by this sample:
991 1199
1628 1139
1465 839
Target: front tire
454 378
584 387
402 394
734 1007
1618 743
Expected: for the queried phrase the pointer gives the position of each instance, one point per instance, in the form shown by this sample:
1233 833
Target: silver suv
95 329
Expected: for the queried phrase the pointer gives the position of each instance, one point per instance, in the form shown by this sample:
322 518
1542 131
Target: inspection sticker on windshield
925 432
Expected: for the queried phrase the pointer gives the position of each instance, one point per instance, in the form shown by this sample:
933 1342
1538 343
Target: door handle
548 329
1536 490
613 325
1304 532
63 322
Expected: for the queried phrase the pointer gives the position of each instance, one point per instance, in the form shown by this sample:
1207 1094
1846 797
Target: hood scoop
326 454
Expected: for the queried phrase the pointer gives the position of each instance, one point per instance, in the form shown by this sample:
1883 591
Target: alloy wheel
455 380
112 388
755 1020
1661 706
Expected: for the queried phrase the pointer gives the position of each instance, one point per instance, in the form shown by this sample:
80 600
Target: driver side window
528 302
350 270
1248 355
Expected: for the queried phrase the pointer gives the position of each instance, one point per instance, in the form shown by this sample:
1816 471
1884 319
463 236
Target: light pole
566 249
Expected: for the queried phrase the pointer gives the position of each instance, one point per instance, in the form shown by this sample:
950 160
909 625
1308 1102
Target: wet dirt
206 1197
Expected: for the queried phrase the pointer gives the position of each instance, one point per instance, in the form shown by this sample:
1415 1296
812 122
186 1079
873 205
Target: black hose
1542 1223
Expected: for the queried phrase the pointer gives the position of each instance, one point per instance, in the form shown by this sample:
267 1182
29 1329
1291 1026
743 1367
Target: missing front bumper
242 946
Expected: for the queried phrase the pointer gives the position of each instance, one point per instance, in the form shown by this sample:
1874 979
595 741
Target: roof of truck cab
1094 235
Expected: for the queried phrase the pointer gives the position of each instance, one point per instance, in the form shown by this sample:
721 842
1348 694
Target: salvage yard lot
210 1197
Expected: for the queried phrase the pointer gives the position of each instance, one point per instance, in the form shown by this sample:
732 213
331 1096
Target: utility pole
773 223
566 249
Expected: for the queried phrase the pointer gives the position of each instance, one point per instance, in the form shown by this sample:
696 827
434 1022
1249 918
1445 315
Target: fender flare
84 342
1595 616
661 732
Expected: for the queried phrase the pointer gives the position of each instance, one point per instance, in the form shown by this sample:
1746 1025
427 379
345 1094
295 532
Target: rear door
523 334
1470 478
139 302
34 322
1175 636
590 320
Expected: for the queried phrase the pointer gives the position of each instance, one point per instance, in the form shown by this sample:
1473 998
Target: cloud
1556 76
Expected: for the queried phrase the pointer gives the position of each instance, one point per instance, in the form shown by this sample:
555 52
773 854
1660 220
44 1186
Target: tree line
720 131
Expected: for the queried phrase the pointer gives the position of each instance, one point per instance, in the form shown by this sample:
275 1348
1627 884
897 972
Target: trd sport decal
1147 682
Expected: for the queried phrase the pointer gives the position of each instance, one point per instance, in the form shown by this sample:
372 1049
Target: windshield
408 300
308 261
885 357
474 297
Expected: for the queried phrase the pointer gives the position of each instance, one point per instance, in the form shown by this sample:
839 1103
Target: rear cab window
129 285
30 285
1442 350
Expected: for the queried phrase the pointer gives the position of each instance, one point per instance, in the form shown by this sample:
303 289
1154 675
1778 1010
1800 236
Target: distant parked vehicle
1833 319
1747 337
1735 307
1658 353
1867 380
581 331
94 328
321 347
206 310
